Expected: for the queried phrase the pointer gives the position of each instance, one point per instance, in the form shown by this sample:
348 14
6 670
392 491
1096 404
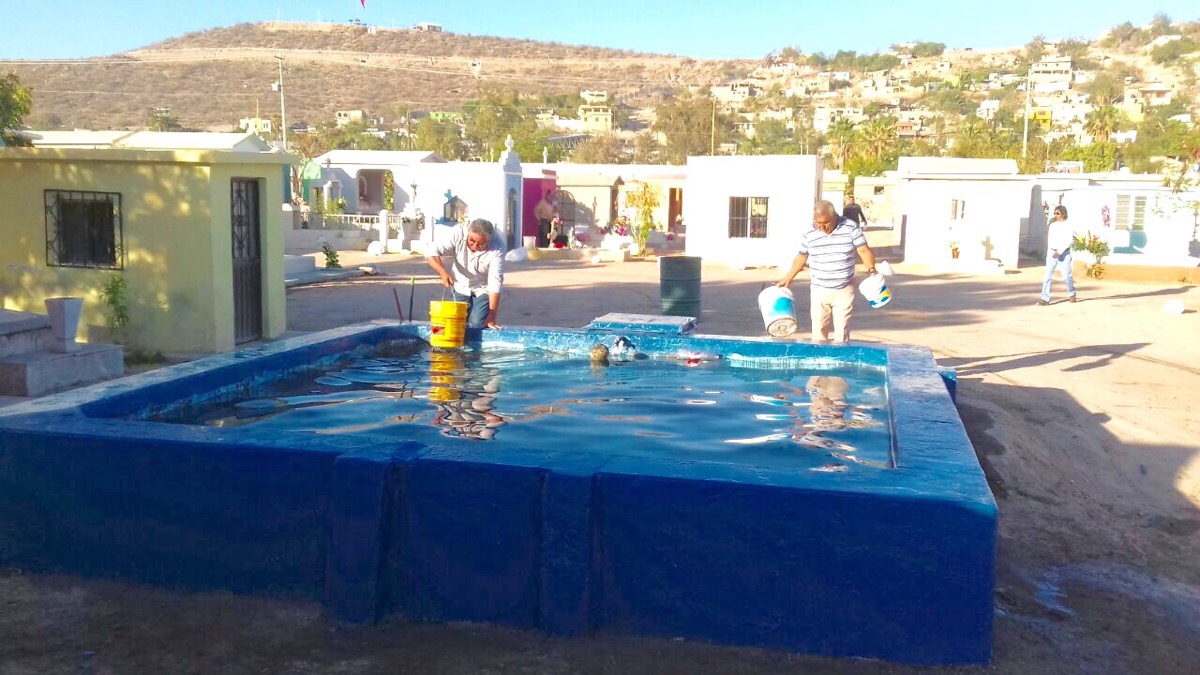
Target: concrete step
23 332
295 265
42 372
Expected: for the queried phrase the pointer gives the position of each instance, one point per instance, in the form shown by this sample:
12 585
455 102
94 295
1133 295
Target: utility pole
712 137
1028 93
282 109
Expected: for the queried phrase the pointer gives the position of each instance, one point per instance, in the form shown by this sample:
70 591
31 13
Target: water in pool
825 419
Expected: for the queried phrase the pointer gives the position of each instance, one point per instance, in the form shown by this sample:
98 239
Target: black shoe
1042 303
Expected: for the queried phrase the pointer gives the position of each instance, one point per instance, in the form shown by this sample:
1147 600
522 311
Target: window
878 190
83 229
747 217
1131 213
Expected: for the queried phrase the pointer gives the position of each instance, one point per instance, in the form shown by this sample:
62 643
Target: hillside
212 78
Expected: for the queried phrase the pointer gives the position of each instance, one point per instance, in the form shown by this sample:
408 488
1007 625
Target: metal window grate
748 217
83 229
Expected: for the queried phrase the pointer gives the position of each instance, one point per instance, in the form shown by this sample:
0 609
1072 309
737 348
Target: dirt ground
1084 415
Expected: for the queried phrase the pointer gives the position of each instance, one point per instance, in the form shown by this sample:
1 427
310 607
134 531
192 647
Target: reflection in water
465 398
827 420
830 417
827 413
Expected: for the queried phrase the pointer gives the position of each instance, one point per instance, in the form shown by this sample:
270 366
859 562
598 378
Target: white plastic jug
778 308
875 290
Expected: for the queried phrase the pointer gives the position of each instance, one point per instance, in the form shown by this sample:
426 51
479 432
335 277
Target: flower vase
64 316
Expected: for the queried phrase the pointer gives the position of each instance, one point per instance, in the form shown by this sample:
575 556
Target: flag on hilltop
364 2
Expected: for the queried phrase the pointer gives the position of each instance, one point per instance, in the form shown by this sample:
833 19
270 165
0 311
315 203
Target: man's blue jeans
1067 261
477 308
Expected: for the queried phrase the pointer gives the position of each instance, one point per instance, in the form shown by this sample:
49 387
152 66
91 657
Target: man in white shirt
1059 240
828 249
476 274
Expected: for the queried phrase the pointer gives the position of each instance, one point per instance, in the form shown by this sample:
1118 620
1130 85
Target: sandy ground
1083 415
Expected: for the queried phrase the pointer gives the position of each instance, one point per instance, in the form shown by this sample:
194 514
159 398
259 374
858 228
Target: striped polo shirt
831 257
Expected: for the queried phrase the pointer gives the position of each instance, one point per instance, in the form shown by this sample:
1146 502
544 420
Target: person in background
545 212
477 271
854 212
828 249
1059 239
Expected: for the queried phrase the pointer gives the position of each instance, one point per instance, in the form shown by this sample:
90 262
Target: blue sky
41 29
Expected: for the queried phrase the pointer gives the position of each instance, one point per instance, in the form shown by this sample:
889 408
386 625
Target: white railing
343 221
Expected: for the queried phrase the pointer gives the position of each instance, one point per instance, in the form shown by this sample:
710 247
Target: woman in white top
1059 240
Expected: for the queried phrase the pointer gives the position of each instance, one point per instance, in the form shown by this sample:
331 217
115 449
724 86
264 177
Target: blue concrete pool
879 543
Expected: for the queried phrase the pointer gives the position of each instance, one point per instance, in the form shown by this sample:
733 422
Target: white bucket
875 290
778 309
529 242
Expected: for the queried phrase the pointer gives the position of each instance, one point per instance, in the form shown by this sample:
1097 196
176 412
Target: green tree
161 119
1161 25
1076 49
771 138
1101 123
1124 34
646 149
972 139
603 149
1105 88
352 136
927 49
15 102
692 126
1095 157
1174 50
842 136
497 115
1035 49
878 139
643 198
440 136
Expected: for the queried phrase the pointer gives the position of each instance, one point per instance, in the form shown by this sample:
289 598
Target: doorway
246 219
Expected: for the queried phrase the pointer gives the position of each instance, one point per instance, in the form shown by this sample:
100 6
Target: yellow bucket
447 323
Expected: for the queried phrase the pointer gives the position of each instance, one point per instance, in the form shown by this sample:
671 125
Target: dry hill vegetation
212 78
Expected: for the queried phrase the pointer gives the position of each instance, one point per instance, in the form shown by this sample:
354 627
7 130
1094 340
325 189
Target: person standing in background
854 212
545 212
1059 239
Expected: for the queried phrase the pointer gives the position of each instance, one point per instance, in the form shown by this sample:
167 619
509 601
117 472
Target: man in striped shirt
828 251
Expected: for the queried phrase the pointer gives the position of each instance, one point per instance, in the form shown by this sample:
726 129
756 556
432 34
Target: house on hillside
1052 74
190 221
1149 94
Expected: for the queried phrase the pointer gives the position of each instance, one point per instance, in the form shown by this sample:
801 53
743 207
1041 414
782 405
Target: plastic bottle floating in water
696 358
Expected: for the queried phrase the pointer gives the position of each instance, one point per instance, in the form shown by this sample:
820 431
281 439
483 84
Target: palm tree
972 138
842 134
1102 123
879 137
